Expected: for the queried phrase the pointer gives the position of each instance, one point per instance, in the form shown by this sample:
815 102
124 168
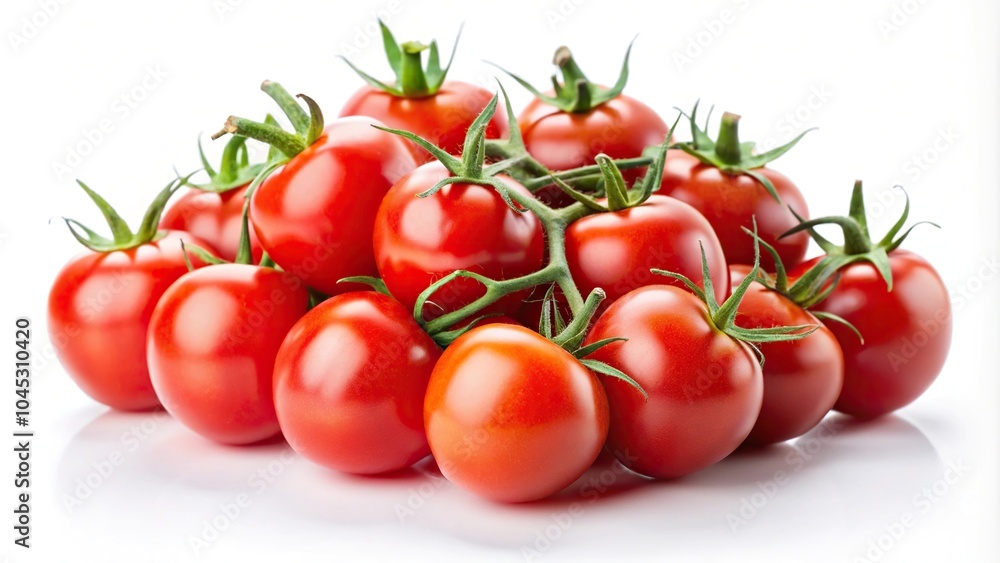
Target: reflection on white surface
826 494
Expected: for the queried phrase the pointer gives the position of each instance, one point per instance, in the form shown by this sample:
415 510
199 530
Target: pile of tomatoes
428 275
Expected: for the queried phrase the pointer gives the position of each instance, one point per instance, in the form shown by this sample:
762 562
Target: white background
886 82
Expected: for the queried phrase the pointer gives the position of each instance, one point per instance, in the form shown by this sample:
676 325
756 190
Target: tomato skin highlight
442 118
802 378
215 218
615 251
213 339
314 217
349 384
731 202
512 417
98 312
461 227
907 332
704 387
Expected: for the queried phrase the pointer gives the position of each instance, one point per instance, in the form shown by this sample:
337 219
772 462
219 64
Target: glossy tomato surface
615 251
704 387
349 384
216 218
211 347
511 416
461 227
98 312
731 202
314 217
907 332
442 118
802 378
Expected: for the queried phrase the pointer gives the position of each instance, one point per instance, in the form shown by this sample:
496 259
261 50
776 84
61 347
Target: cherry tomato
215 218
907 332
212 342
704 387
99 309
730 202
349 384
442 118
460 227
512 417
314 217
802 378
615 251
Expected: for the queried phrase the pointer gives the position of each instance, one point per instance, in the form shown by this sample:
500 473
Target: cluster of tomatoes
426 275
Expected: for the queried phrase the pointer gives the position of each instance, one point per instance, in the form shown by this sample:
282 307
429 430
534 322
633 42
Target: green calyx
576 93
244 252
308 128
235 169
723 316
122 236
728 154
413 78
858 244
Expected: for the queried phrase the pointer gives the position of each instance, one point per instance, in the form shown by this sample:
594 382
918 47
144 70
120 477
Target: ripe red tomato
907 332
730 202
315 216
615 251
215 218
98 312
802 378
512 417
442 118
704 387
349 384
212 342
460 227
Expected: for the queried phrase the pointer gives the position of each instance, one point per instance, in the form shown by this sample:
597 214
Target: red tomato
99 309
615 251
802 378
512 417
314 217
730 202
907 332
215 218
460 227
442 118
349 384
212 342
704 387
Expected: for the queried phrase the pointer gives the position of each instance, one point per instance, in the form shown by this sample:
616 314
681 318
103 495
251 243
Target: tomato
211 347
349 384
460 227
99 309
512 417
907 332
705 387
730 202
315 216
802 378
215 218
615 251
441 118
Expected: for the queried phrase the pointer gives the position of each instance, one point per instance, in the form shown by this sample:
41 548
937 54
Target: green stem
413 81
727 147
288 143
